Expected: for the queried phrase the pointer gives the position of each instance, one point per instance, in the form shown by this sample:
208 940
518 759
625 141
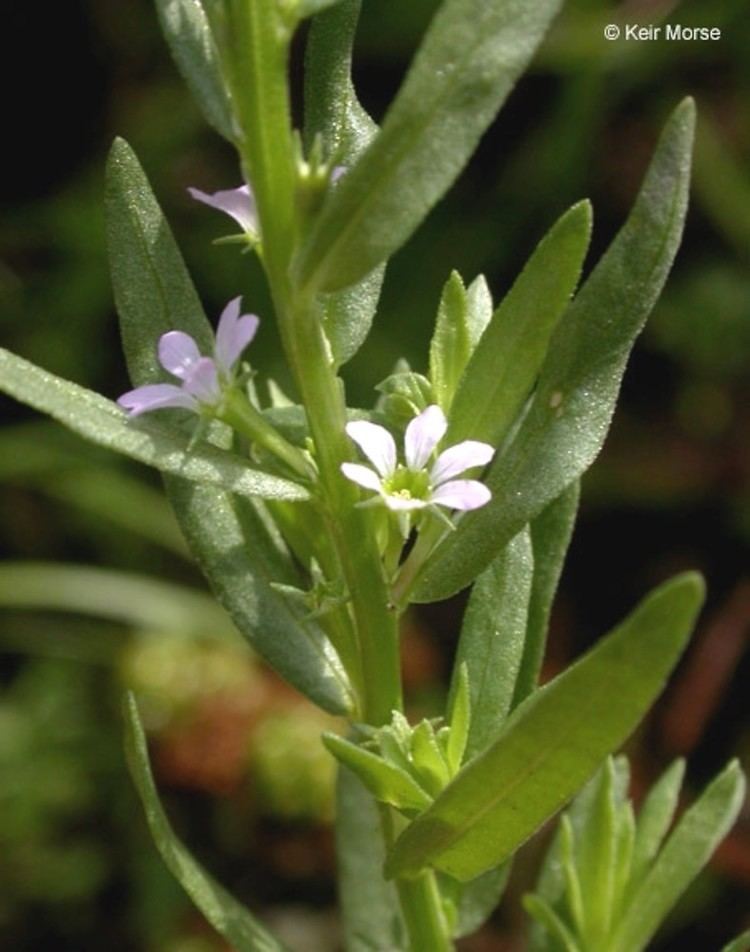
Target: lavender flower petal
362 475
178 353
203 382
461 494
422 436
459 458
233 334
237 202
376 443
155 396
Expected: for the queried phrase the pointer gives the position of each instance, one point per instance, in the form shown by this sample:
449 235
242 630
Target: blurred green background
236 753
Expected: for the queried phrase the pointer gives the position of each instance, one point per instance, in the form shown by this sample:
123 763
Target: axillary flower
203 379
417 484
238 203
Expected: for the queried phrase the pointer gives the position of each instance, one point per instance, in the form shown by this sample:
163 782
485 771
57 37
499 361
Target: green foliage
462 317
188 32
565 425
230 919
136 600
369 904
467 64
550 537
386 781
553 742
596 890
333 112
492 640
505 365
242 554
239 551
151 442
687 850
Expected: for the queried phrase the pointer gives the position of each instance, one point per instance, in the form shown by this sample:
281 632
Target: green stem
376 622
408 576
245 419
419 899
257 70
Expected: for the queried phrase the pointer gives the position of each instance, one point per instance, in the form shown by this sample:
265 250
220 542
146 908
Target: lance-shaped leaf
387 782
685 853
240 556
188 33
553 742
153 290
235 546
492 640
551 532
230 919
505 365
655 818
470 58
570 413
369 903
149 441
333 112
463 315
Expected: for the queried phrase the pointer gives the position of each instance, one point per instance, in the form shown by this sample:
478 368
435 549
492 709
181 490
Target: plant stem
257 69
376 622
420 902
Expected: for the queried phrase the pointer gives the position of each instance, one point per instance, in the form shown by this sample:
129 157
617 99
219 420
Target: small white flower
405 488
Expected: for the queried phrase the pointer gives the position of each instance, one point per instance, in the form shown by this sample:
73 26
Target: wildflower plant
316 530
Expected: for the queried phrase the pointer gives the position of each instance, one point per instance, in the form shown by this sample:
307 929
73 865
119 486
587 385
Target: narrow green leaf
153 290
551 532
230 539
553 742
740 944
505 365
479 309
384 780
569 415
230 919
240 556
188 33
148 441
594 854
492 640
554 882
333 111
450 347
553 924
428 759
136 600
685 853
655 818
459 719
369 904
467 64
623 857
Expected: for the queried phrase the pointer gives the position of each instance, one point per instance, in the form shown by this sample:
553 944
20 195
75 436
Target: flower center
408 484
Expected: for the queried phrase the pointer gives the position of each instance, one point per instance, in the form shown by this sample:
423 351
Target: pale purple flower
416 485
203 379
238 203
